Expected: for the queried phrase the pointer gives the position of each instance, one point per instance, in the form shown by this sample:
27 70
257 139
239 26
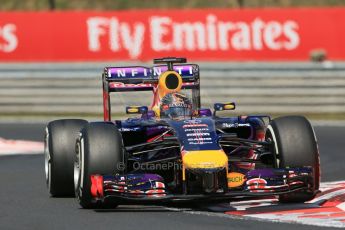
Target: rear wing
139 78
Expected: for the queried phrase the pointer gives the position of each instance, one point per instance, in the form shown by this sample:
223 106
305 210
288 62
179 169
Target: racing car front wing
151 187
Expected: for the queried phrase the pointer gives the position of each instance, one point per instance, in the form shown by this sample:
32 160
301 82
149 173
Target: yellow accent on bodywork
205 159
133 110
235 179
229 106
162 87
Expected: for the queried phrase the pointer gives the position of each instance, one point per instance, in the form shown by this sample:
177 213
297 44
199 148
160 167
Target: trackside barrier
67 89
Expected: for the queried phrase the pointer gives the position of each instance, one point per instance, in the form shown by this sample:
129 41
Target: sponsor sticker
123 85
194 121
194 125
235 125
235 179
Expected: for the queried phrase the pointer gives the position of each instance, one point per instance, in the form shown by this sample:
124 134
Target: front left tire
99 150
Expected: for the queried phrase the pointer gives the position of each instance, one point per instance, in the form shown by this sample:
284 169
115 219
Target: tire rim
47 159
77 166
274 139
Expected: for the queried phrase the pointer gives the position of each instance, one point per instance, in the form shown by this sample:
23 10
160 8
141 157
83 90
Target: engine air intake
172 81
169 82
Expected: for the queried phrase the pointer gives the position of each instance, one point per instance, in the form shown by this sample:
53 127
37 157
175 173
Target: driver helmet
175 106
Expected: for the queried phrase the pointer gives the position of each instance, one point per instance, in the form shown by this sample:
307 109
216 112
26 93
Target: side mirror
136 109
224 106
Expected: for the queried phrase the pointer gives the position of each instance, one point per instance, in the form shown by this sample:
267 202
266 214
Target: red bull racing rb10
175 149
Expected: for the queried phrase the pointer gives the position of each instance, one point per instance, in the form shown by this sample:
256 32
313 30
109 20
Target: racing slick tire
59 152
99 150
295 145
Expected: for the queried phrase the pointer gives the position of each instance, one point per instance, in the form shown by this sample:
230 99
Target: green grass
162 4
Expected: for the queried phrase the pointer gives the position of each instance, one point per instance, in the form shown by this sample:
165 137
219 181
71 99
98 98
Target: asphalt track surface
25 202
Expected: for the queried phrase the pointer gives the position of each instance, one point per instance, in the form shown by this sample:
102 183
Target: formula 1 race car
176 150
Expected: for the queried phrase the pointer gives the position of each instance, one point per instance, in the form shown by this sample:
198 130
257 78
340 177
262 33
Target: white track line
341 206
328 216
296 219
17 147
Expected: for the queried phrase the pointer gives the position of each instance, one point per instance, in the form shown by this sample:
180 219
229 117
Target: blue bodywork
154 148
145 183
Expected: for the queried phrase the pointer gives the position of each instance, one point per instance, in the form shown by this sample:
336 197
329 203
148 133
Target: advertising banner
199 34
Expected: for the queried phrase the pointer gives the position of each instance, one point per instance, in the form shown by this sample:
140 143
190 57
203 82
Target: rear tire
295 145
99 151
59 154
